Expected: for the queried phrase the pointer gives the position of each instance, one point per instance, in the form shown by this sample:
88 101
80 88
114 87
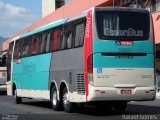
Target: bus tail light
4 73
90 69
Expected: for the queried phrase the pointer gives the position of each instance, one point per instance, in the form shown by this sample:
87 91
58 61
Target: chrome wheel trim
65 99
54 98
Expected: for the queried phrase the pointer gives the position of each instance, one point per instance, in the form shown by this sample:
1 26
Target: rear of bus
120 65
3 74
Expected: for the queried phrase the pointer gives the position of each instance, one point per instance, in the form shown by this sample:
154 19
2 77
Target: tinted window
67 36
55 40
43 42
35 45
9 58
122 25
48 41
79 34
17 47
27 45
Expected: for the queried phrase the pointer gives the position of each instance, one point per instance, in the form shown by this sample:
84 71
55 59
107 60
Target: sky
15 15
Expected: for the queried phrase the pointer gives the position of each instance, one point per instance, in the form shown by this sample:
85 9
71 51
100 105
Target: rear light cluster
90 69
4 73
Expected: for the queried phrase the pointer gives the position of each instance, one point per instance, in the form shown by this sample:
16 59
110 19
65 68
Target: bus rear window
123 25
3 60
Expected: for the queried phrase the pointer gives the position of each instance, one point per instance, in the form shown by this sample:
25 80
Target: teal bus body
33 72
100 46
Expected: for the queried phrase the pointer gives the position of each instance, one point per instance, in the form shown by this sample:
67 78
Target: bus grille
80 84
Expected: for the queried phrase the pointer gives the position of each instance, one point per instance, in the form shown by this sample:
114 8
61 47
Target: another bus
3 73
103 55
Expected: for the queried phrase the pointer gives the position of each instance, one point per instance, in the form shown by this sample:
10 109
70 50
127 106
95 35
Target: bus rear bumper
111 93
3 88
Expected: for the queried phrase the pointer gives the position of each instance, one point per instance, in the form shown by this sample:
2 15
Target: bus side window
37 44
31 47
56 40
79 33
68 35
16 51
28 43
23 46
4 60
43 43
9 58
0 61
34 47
64 41
48 41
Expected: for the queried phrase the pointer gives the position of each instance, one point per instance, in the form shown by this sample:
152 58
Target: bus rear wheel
68 106
18 99
56 105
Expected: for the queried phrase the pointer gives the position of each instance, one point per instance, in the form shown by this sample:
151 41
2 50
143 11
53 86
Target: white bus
103 56
3 72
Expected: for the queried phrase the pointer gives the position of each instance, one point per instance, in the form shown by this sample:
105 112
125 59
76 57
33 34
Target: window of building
158 5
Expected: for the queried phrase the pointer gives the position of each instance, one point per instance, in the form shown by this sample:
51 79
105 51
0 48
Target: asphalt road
41 110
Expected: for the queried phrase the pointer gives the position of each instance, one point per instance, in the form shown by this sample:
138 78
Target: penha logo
124 43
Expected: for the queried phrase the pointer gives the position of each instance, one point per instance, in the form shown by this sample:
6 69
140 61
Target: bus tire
18 99
120 106
68 106
56 104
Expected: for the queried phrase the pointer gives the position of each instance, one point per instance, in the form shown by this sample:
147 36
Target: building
49 6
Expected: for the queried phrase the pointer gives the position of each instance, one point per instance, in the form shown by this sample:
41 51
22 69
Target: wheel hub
54 98
65 99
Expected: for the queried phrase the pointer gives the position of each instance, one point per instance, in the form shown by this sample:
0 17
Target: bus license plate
126 92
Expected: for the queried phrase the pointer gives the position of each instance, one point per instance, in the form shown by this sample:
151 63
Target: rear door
9 68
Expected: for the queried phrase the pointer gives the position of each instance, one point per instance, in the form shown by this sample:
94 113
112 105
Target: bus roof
51 25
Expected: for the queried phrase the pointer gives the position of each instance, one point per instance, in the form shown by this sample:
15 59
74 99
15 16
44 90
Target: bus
103 56
3 72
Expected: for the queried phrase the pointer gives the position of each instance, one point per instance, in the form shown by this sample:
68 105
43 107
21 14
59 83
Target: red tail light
90 69
4 73
90 64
